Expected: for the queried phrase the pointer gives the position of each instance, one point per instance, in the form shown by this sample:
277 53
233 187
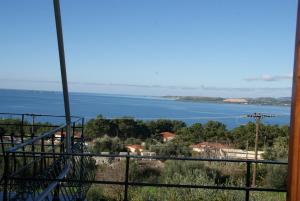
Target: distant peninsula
282 101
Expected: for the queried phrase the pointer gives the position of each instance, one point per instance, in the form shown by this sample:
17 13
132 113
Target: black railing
40 169
28 126
247 188
41 165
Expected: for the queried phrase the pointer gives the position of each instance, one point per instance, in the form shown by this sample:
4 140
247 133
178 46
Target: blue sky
226 48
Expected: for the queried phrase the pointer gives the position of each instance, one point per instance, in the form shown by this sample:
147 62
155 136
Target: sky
228 48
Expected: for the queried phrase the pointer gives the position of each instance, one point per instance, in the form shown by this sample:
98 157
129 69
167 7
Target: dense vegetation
113 135
107 135
184 172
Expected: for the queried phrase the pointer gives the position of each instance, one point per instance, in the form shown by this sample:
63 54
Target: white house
135 148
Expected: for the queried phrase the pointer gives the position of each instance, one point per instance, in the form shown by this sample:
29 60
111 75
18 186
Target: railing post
247 180
126 178
32 145
6 169
22 126
56 194
81 157
82 128
22 139
62 142
32 123
73 134
42 162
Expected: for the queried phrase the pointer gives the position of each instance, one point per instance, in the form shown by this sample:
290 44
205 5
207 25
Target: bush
108 144
95 193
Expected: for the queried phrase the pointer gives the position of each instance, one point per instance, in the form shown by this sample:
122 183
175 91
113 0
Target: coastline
260 101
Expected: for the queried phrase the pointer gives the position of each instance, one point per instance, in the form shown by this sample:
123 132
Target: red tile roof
135 146
76 134
168 135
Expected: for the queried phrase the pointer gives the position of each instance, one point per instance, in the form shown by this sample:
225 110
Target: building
135 148
60 134
204 146
235 100
148 153
167 136
210 149
242 154
218 150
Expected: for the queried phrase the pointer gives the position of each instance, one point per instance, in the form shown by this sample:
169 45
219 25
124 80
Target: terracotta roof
76 134
167 134
135 146
210 145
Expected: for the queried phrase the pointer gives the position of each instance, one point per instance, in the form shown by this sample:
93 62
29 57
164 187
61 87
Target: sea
89 105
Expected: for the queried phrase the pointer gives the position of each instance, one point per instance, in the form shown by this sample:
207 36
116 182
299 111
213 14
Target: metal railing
40 169
247 188
43 165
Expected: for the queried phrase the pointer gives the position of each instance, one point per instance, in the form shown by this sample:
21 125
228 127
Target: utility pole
257 117
63 71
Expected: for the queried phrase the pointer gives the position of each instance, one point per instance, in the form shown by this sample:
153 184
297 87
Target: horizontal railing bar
30 141
36 115
150 184
206 187
56 138
155 157
34 125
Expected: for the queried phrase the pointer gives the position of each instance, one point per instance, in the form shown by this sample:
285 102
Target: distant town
282 101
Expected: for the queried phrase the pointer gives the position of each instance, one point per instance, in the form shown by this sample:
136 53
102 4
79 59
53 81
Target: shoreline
261 101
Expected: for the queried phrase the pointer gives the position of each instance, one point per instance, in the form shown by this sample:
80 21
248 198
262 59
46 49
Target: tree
126 127
108 144
244 134
190 135
171 149
279 150
215 131
163 125
97 127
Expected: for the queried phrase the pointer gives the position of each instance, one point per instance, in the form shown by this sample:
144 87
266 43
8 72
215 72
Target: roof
210 145
76 134
135 146
168 134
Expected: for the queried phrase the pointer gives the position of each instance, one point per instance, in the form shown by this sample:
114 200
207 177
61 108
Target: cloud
270 78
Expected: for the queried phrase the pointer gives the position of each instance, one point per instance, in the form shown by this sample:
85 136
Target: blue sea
139 107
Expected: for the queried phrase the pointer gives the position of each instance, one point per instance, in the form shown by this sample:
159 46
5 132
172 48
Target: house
242 154
60 134
11 139
148 153
135 148
210 149
204 146
223 151
167 136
